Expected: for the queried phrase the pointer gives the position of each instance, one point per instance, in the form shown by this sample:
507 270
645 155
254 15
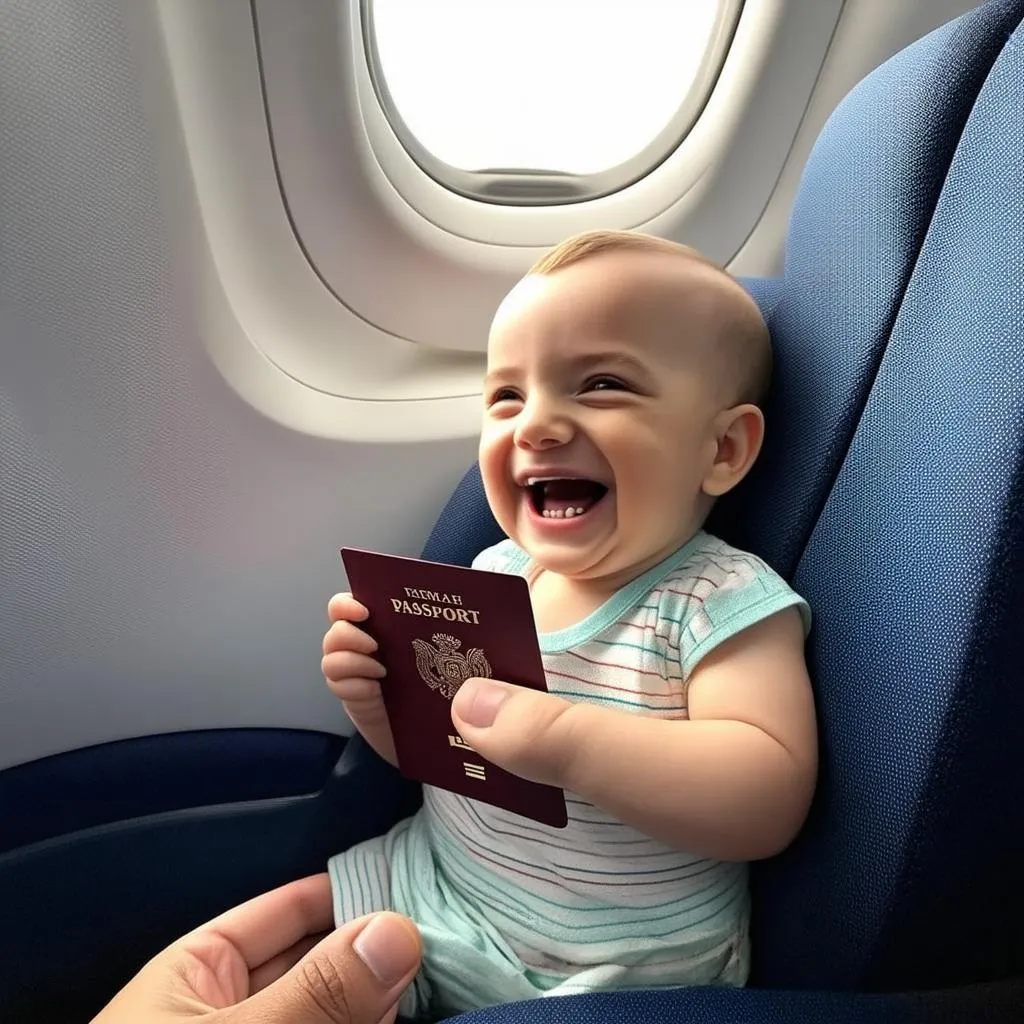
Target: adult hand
268 961
536 735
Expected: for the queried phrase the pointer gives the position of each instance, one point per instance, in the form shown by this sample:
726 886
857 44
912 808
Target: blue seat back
890 492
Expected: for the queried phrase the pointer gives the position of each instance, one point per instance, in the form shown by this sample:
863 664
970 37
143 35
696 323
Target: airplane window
537 102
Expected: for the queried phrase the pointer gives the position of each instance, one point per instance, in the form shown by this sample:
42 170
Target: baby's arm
734 782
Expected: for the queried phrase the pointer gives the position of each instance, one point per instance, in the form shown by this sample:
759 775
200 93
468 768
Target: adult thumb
527 732
355 975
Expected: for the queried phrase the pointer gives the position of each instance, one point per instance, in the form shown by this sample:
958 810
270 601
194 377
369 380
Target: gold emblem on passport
443 667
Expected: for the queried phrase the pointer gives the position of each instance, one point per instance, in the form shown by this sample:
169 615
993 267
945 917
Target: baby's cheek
505 505
651 508
493 470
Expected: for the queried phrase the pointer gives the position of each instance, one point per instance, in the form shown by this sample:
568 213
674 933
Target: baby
625 377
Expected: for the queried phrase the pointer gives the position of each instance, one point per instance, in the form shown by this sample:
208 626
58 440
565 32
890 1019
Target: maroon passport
436 626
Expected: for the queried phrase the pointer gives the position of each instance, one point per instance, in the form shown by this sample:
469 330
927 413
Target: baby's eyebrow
625 360
611 358
502 373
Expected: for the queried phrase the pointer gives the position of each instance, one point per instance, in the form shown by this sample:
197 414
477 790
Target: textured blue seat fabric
466 525
891 493
860 216
909 874
977 1005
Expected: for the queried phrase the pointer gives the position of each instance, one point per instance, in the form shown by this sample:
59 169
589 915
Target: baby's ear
740 433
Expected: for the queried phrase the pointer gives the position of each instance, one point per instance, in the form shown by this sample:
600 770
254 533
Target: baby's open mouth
565 497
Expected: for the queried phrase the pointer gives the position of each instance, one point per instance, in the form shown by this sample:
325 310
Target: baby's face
599 414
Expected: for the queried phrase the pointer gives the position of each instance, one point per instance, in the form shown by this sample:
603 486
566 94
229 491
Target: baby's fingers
340 665
346 607
343 636
354 691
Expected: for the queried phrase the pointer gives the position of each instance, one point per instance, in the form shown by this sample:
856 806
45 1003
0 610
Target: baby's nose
542 425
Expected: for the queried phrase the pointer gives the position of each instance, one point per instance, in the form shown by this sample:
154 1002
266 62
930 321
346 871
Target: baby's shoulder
716 591
710 560
711 572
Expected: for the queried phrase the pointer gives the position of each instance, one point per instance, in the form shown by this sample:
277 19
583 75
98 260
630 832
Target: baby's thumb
356 975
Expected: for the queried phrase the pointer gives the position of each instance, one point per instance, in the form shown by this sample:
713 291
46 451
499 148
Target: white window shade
544 101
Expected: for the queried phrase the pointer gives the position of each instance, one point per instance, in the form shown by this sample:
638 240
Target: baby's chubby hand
348 665
353 674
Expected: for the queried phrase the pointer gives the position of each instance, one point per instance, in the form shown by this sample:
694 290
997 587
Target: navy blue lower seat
890 493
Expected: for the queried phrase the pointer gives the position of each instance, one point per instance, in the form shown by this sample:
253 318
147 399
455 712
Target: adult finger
281 964
356 975
528 732
268 925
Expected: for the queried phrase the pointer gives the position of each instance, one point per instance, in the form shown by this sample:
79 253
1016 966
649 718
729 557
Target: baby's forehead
673 312
644 300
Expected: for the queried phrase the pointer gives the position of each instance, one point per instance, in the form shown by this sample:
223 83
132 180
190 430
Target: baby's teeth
557 513
569 513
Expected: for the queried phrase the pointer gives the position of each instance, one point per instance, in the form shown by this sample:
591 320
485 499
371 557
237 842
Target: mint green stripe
740 618
635 647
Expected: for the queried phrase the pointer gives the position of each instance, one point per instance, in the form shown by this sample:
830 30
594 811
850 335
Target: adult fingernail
389 947
479 706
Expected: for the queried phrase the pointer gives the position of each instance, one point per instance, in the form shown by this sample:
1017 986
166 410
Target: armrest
996 1003
87 908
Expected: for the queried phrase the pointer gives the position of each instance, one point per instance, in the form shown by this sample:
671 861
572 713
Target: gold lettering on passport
432 604
475 771
458 741
432 595
443 667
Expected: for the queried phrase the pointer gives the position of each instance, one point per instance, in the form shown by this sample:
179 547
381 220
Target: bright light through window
571 86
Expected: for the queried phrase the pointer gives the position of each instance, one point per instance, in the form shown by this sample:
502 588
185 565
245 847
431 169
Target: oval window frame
532 188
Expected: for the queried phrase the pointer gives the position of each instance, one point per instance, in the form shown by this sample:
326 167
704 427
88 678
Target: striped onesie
510 909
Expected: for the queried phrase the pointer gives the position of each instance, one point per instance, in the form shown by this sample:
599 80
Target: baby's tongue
578 495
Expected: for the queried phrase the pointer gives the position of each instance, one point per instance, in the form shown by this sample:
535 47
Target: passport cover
436 626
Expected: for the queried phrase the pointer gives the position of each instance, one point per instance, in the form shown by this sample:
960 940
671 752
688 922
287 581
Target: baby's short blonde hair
744 342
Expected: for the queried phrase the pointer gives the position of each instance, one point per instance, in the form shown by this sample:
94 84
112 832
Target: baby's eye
503 395
605 383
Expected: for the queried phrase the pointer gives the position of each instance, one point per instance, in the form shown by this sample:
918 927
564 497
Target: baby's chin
560 559
610 568
580 565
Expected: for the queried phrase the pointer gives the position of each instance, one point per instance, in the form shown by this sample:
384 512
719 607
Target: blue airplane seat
890 493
